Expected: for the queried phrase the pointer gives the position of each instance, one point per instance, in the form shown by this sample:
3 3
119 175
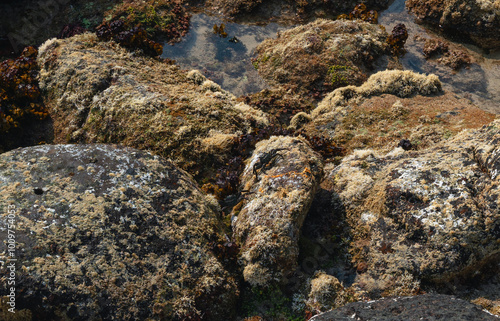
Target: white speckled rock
108 233
432 215
278 199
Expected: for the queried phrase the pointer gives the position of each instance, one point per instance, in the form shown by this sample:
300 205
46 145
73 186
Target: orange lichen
19 91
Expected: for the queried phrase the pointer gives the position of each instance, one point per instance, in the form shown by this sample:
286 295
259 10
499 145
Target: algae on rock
277 201
111 233
99 92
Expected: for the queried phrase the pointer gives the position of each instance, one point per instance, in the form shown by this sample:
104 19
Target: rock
107 232
290 11
276 202
321 55
423 217
478 20
390 106
326 293
99 92
422 307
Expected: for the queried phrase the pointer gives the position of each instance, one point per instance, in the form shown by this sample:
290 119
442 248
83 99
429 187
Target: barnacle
135 37
19 92
397 39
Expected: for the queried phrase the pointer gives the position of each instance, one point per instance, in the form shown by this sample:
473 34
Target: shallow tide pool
223 61
228 63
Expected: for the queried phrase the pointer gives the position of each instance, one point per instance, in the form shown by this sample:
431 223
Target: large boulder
478 20
390 106
422 307
423 217
279 183
321 55
100 92
106 233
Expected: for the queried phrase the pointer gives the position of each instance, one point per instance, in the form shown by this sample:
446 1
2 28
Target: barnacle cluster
19 91
135 37
160 18
360 12
397 39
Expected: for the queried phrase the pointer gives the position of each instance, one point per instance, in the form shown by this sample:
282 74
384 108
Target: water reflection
223 61
480 82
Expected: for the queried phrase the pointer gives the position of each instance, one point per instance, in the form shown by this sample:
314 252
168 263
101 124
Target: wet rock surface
99 92
423 218
389 107
479 20
422 307
279 183
321 56
108 232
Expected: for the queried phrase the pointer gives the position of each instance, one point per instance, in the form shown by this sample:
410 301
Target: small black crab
267 160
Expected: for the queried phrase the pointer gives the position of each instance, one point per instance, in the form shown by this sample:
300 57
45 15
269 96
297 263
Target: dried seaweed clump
135 37
160 18
19 92
397 39
360 12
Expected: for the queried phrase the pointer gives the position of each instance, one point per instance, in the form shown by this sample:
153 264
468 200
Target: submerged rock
99 92
430 216
107 233
321 56
422 307
388 107
478 20
279 183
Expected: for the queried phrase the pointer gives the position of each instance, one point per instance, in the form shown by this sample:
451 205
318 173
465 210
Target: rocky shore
349 189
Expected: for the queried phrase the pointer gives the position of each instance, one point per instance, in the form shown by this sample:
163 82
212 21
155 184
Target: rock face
390 106
431 216
99 92
104 232
477 19
321 56
279 191
422 307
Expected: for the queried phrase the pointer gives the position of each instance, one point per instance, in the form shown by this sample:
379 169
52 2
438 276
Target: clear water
227 63
480 83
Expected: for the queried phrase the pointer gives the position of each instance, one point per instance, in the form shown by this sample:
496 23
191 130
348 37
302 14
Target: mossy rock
107 232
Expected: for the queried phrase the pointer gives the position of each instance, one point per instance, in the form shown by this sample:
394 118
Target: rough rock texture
326 293
431 216
422 307
321 56
285 10
277 200
99 92
478 20
110 233
390 106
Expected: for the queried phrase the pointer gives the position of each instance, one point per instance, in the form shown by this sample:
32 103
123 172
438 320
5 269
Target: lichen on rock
429 215
390 106
276 202
99 92
106 232
321 55
476 20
